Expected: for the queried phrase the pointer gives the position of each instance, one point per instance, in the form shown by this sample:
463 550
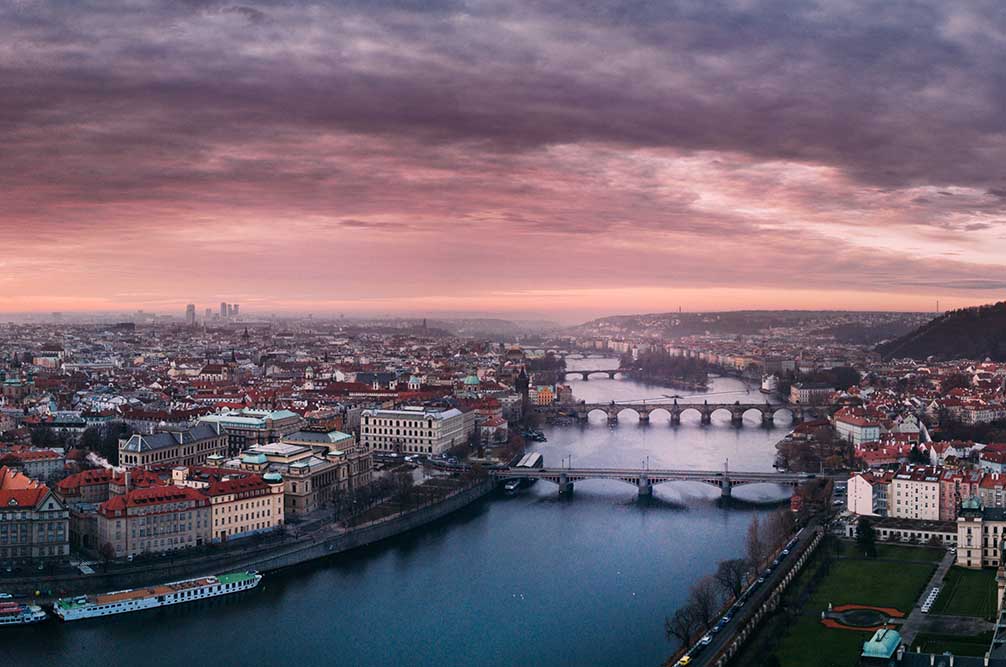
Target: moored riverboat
138 599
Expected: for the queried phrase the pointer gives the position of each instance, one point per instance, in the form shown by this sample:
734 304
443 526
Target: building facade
34 524
980 534
856 428
241 505
246 428
173 447
915 493
153 520
416 430
868 493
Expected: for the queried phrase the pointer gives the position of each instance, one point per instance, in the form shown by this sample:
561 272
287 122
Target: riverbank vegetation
660 366
710 596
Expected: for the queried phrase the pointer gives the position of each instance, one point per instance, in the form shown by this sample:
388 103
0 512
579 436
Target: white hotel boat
136 599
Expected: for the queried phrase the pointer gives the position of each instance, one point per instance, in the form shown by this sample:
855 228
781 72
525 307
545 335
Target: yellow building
241 503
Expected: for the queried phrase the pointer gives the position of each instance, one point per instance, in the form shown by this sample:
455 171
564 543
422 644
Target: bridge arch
721 410
777 410
626 408
686 409
596 410
661 413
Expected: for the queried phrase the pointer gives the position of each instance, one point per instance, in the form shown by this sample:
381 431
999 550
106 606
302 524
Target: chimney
125 480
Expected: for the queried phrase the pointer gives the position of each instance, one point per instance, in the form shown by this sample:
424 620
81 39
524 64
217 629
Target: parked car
707 640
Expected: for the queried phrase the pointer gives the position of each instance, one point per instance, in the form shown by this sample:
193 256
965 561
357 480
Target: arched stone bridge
645 479
705 410
610 372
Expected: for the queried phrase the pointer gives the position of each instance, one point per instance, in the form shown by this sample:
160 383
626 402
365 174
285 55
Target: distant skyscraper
237 309
223 309
230 310
190 314
209 314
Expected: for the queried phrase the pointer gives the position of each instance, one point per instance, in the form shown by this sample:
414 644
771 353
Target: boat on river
138 599
15 613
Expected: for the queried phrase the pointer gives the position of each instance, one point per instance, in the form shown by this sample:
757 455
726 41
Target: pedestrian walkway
916 619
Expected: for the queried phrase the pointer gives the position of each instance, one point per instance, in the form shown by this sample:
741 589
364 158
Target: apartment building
869 493
915 493
241 504
34 524
153 520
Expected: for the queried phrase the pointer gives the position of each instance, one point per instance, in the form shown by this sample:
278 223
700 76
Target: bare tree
730 576
757 550
682 624
778 528
706 600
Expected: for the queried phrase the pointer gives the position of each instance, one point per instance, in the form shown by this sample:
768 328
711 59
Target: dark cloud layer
874 130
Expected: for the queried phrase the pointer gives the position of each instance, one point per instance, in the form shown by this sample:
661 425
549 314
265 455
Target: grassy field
872 582
869 582
967 593
975 646
899 551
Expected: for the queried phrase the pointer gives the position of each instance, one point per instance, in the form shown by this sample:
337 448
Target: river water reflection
529 580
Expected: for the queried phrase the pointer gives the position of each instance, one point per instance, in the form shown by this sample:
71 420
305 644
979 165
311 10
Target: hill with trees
968 333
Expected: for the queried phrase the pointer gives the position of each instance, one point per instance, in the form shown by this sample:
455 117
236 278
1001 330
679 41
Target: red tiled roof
157 495
18 490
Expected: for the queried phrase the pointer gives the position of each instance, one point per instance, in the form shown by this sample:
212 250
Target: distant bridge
585 374
705 410
644 480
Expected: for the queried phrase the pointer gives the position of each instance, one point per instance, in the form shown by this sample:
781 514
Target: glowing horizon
399 157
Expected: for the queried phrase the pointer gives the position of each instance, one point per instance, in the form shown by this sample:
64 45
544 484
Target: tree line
710 594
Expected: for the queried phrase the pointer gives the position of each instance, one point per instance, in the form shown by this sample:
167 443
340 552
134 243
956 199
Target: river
529 580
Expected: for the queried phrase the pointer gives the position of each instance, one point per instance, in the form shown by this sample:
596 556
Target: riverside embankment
293 549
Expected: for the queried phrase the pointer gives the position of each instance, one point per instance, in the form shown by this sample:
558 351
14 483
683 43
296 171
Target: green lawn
900 551
872 582
975 646
807 642
869 582
967 592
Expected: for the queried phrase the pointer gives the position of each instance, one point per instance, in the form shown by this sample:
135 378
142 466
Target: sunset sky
550 158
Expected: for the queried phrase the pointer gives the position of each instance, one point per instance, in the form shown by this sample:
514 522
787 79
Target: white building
415 430
855 428
868 493
915 493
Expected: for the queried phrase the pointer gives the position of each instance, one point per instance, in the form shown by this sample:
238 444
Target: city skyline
426 157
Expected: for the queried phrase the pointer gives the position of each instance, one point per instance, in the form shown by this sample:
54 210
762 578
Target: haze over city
536 158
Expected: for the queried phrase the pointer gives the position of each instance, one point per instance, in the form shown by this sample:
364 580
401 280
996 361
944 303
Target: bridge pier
737 419
725 488
644 417
767 419
586 376
675 418
707 418
645 487
565 486
611 375
612 417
